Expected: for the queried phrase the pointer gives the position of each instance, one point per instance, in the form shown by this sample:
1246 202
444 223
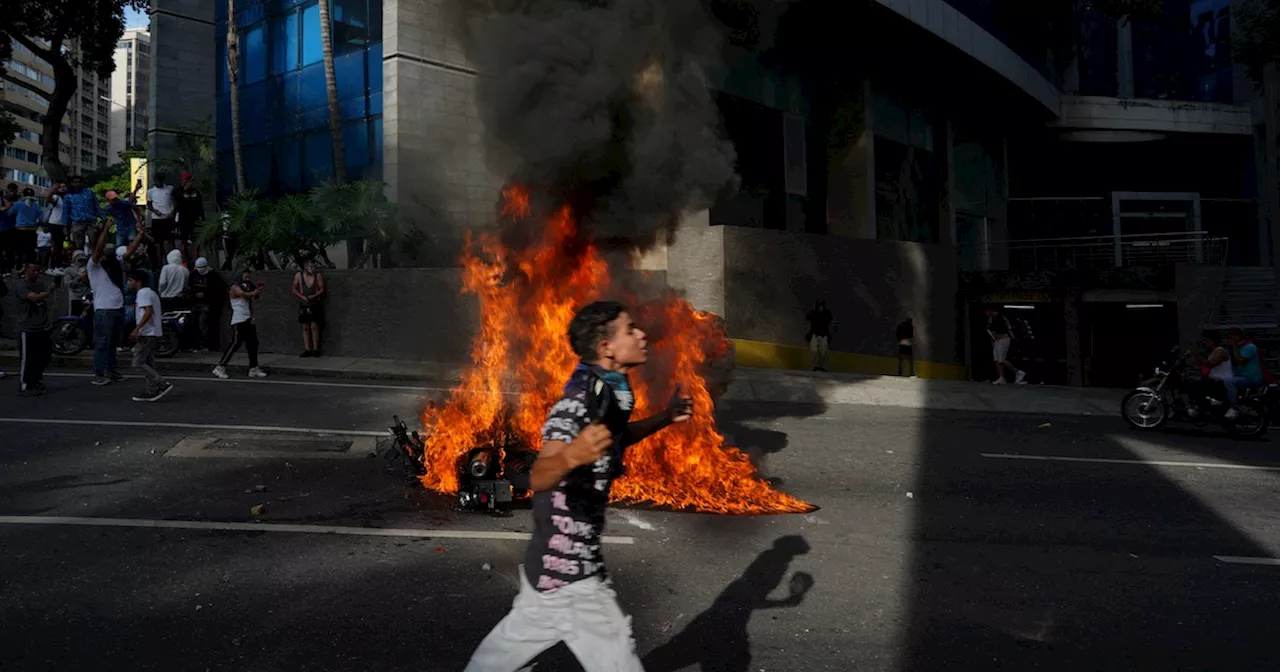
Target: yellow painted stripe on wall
775 356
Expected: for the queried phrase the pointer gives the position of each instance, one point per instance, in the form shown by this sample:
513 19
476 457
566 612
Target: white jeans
584 615
818 350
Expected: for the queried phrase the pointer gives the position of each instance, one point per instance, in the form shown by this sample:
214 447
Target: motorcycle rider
1247 369
1214 369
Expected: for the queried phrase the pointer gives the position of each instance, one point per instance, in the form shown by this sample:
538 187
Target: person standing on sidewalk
28 215
34 346
208 294
565 591
57 227
106 280
160 207
80 212
243 292
1001 338
308 286
906 335
819 336
188 214
146 337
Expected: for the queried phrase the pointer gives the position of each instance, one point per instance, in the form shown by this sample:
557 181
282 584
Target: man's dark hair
1235 331
115 272
13 186
73 178
592 325
139 275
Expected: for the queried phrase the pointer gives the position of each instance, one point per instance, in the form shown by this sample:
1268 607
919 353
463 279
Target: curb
179 366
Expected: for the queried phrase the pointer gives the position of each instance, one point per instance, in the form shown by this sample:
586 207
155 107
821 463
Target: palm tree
331 90
233 77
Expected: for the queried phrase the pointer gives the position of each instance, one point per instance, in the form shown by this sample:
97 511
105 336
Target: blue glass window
311 88
253 55
355 143
349 70
319 158
312 51
284 43
374 66
288 163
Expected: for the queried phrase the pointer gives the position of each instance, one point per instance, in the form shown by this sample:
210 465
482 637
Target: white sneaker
1021 378
256 372
220 372
999 381
1231 414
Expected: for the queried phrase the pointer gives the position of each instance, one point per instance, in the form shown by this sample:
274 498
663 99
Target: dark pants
57 235
245 333
27 245
108 330
34 350
905 353
9 251
204 321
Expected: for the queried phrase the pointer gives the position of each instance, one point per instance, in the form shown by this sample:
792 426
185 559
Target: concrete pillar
695 263
1124 58
434 159
1071 306
183 74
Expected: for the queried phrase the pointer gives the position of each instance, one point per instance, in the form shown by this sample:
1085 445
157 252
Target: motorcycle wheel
1144 410
68 338
1252 421
169 343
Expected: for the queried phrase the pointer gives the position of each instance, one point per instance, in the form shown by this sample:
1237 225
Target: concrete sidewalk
754 385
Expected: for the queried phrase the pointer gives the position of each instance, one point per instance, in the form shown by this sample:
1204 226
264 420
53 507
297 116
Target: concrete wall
771 279
1197 287
434 162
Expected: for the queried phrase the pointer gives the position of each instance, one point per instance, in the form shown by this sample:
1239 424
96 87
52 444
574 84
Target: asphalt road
933 549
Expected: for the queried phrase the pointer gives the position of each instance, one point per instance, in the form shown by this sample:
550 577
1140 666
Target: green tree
8 125
67 35
1256 37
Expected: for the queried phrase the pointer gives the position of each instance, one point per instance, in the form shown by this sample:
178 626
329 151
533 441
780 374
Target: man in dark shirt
1001 333
565 592
34 295
906 336
819 336
188 214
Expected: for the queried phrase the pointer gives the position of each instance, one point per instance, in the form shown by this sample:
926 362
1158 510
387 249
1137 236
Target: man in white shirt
106 282
146 337
160 206
53 217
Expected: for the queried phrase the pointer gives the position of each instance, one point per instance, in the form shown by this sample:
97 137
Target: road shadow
1050 565
716 640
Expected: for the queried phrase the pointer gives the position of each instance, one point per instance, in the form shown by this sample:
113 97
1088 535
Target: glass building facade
284 114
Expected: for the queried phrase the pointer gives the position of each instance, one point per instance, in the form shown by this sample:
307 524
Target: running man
565 592
1001 333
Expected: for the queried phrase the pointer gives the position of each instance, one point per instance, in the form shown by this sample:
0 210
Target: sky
134 19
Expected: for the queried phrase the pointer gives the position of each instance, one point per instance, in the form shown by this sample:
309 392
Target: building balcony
1093 253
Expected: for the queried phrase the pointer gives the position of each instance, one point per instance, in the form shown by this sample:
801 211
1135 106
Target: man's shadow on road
716 640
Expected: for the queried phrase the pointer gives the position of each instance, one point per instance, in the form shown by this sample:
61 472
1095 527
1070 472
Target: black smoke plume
602 104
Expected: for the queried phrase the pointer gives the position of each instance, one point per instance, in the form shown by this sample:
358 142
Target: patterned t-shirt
569 519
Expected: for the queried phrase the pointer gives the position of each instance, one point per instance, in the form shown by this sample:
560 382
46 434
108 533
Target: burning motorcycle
490 477
1166 397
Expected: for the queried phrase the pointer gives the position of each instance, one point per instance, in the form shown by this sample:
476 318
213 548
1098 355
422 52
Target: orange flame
527 299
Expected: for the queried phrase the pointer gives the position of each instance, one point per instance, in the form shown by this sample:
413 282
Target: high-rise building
88 117
21 162
130 92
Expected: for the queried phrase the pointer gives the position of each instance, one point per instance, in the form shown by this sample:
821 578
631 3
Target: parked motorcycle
73 333
1167 397
174 323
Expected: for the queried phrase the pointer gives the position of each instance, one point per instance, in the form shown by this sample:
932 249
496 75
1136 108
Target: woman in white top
243 291
1218 364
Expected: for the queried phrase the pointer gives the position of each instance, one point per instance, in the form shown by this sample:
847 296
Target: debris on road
259 510
911 495
486 566
1044 425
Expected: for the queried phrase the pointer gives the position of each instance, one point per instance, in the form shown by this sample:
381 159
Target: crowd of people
108 256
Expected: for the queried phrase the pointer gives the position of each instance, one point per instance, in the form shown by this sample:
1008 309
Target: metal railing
1098 252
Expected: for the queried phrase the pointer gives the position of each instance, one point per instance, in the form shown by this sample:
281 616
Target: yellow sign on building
138 175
